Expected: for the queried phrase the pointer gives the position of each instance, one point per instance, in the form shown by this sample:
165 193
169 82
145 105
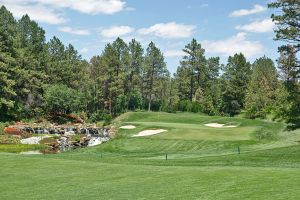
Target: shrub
48 141
61 99
107 119
2 126
9 139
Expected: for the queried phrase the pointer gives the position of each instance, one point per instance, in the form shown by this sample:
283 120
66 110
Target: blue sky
223 27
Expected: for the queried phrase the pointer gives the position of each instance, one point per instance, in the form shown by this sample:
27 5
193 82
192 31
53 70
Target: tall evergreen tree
235 81
288 30
31 54
287 22
56 64
155 71
261 89
195 62
7 61
133 79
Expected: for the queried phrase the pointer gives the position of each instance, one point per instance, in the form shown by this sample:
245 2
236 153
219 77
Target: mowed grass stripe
75 179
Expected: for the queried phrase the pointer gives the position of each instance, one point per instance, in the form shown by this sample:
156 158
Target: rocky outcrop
61 137
19 129
11 130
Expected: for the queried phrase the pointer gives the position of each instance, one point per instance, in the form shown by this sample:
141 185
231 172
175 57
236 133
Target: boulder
12 130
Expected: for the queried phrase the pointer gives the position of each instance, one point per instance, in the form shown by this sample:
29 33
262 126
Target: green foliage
7 62
235 82
155 73
107 119
287 21
9 139
188 106
287 106
135 100
288 30
49 140
260 95
101 116
61 99
197 79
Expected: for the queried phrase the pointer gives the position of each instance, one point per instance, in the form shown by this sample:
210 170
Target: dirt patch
149 132
128 127
217 125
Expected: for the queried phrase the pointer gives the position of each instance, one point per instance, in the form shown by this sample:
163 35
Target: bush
107 119
101 116
135 100
48 141
9 139
188 106
2 126
61 99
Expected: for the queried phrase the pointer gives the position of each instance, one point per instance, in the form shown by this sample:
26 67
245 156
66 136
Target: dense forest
44 78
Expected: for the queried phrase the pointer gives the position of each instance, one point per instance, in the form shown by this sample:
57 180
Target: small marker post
166 156
239 150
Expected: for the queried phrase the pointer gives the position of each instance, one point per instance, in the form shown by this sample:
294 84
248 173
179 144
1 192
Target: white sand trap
216 125
30 152
149 132
128 127
33 140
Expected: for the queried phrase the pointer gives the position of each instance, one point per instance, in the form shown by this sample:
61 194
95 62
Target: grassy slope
199 166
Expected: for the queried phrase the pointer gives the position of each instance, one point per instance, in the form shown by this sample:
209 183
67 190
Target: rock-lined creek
59 138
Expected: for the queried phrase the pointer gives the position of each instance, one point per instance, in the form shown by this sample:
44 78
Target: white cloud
85 6
51 11
70 30
116 31
261 26
243 12
37 12
84 50
234 44
169 30
174 53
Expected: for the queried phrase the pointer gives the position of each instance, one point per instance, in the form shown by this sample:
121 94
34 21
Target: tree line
41 78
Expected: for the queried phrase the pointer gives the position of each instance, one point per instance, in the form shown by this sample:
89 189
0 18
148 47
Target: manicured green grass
52 178
203 163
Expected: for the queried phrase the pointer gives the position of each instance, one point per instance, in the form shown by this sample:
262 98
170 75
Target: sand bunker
33 140
216 125
128 127
149 132
30 152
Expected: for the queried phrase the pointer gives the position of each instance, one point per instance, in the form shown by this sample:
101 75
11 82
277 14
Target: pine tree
7 61
235 81
195 62
133 73
287 22
31 59
260 95
155 71
288 30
